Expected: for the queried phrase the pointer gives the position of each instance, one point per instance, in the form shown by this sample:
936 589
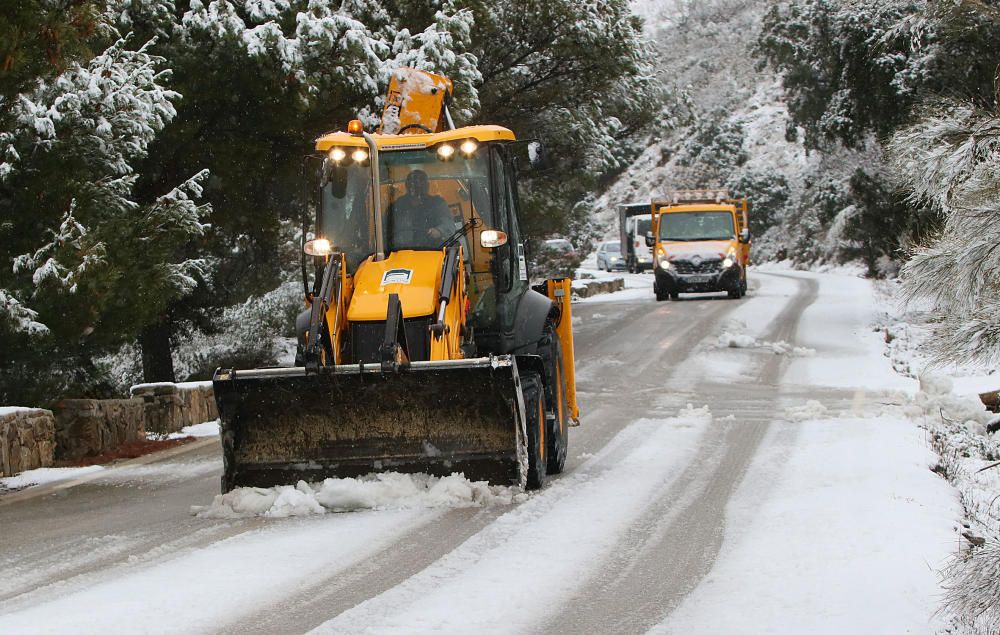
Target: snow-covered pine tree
261 78
83 265
950 159
579 77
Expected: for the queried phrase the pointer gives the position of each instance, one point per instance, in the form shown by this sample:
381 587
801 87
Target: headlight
468 147
614 258
445 151
318 247
664 263
727 263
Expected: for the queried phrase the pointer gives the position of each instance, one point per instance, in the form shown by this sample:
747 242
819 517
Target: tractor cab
435 191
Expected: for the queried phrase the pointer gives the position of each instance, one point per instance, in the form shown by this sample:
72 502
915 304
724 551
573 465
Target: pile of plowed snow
389 490
735 335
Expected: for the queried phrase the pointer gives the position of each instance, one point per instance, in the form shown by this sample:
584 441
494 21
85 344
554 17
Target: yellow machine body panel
561 291
415 100
413 275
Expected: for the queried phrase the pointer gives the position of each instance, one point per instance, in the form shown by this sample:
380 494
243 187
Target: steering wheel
414 125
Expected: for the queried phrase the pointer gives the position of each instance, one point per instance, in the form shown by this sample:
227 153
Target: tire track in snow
667 553
202 590
504 579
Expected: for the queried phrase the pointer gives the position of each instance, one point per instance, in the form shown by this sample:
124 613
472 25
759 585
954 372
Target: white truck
634 221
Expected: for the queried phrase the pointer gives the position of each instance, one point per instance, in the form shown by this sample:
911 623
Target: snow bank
206 429
838 325
389 490
9 410
811 410
45 475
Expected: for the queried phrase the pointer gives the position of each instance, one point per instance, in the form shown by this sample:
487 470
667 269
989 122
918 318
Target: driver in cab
419 220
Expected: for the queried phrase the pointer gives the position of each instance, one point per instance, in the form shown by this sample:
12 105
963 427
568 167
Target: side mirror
650 239
744 235
536 156
490 238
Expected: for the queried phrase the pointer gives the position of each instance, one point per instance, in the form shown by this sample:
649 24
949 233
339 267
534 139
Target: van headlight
664 263
727 262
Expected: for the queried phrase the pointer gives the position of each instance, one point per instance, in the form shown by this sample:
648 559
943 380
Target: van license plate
698 278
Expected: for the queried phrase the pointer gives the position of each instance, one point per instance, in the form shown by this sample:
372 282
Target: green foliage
855 67
768 192
40 38
90 263
217 102
575 75
713 151
839 61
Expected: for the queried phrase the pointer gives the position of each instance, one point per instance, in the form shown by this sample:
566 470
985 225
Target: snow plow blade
282 425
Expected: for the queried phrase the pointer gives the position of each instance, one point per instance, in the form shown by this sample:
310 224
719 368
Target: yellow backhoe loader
424 347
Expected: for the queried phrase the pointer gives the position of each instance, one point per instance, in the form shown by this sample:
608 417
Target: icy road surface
738 470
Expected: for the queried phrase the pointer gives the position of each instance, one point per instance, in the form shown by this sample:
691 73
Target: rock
27 440
88 427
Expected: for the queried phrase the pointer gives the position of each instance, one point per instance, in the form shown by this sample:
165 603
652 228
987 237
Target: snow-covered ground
837 528
44 475
836 523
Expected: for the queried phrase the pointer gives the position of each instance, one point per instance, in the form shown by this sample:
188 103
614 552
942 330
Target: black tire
743 284
557 430
660 297
534 411
734 295
675 296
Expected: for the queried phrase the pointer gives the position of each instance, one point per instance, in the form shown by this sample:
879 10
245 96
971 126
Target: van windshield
687 226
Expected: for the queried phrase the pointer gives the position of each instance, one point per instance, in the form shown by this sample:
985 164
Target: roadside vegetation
151 158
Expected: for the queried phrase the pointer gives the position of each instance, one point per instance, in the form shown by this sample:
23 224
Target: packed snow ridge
388 490
734 335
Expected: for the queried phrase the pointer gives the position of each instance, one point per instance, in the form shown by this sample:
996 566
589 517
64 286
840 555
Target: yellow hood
413 275
706 249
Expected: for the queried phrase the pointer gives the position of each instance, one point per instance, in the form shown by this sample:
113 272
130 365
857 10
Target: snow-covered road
735 471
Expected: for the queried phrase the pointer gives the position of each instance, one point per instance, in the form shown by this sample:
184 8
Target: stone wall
88 427
170 407
587 288
78 428
27 439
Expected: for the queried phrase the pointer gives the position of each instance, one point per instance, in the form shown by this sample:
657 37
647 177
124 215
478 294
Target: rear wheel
534 411
557 414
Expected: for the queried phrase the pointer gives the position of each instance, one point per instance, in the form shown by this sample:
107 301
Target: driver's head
417 183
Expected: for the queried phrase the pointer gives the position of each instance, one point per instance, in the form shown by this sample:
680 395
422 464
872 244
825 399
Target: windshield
614 248
697 226
425 201
643 226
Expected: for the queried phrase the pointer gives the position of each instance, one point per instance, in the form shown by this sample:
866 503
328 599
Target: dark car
556 258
